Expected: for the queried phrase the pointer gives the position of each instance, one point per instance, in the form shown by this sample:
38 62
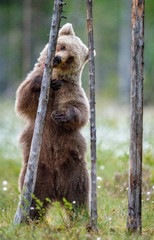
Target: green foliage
68 206
39 207
112 182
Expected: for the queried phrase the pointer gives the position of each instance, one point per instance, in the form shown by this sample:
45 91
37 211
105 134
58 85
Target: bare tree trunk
26 42
124 52
23 210
134 222
93 222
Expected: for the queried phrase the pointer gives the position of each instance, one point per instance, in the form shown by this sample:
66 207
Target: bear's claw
56 84
60 116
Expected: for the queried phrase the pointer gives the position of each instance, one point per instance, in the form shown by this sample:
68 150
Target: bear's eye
63 48
70 59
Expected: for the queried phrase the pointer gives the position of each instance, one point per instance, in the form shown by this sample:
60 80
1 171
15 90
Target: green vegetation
112 153
19 21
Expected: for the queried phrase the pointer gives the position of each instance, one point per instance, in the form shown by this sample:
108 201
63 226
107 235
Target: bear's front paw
36 84
61 116
56 84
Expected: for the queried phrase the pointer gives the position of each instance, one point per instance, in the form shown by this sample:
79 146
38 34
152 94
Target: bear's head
71 53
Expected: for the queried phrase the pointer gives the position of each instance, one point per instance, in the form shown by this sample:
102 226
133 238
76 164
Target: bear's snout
57 60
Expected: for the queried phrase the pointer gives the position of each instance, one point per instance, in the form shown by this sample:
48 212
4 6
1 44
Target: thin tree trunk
23 210
134 222
26 43
93 222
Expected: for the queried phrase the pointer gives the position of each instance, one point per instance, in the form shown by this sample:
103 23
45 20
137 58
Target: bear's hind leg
78 193
43 194
38 209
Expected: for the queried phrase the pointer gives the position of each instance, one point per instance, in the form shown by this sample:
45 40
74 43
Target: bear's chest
60 98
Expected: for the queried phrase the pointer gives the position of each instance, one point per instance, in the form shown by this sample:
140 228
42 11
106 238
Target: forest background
24 31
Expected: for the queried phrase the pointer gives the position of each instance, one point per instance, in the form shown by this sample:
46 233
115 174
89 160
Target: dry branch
23 210
134 222
93 222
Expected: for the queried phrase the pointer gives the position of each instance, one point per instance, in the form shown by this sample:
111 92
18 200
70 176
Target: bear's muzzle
57 60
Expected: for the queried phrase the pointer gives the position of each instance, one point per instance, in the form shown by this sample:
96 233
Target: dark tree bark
134 222
93 222
22 214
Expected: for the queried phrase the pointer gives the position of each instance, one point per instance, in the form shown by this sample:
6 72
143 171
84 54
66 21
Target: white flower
98 238
99 178
148 199
99 186
3 210
4 188
32 208
153 187
109 218
127 188
4 183
74 202
148 193
102 167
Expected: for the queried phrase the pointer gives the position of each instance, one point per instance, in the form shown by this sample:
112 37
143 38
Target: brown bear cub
62 170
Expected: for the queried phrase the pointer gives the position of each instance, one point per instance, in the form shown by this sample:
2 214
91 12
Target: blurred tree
106 28
10 51
124 52
26 41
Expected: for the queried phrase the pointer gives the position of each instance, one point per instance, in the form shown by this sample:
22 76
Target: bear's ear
67 29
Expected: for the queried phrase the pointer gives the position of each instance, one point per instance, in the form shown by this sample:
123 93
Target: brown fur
62 170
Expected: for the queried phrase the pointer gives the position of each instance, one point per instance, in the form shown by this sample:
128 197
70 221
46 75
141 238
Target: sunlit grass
112 170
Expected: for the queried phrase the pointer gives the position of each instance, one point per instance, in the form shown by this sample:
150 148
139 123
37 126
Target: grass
112 154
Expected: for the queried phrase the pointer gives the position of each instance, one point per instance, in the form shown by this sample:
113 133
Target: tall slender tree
93 222
23 210
134 222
